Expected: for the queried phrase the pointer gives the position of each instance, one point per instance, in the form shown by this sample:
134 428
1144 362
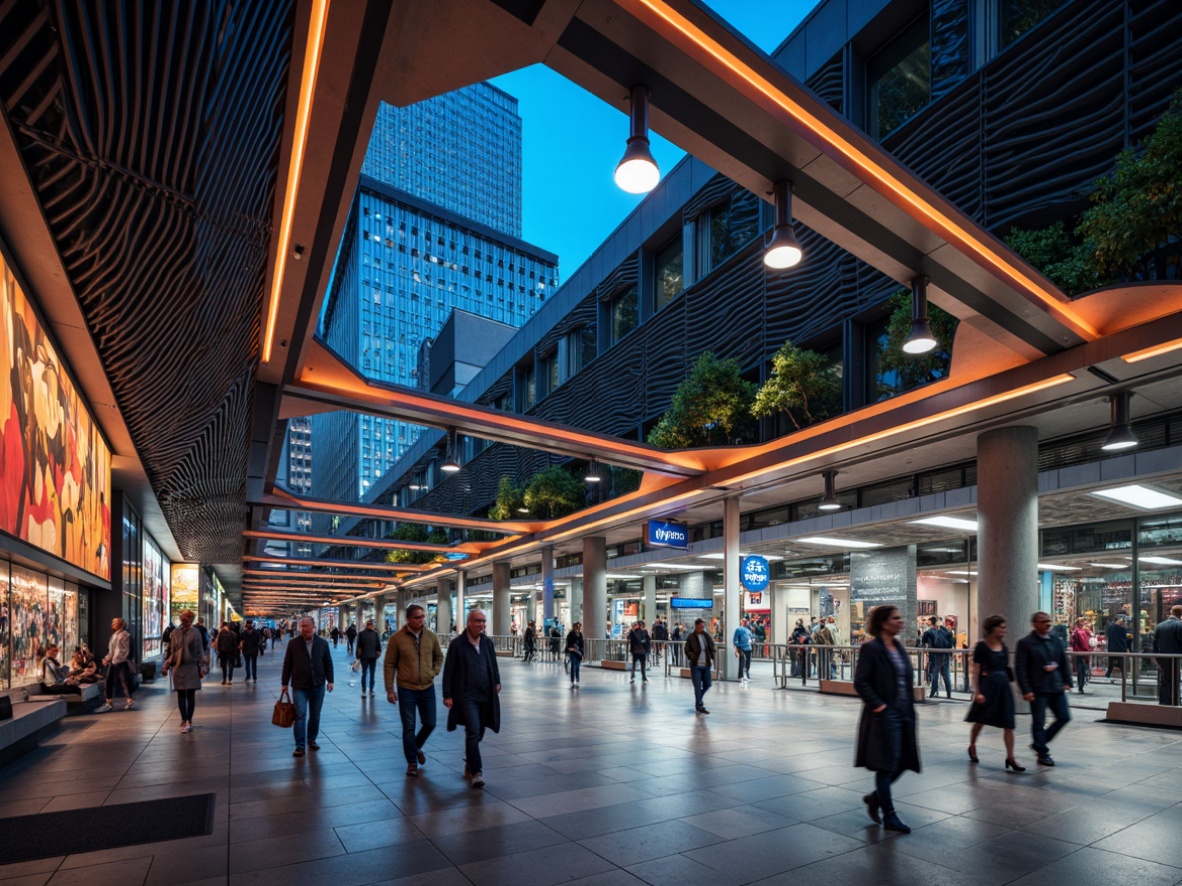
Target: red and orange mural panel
55 467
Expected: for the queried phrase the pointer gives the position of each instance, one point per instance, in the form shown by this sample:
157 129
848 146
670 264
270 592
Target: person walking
1118 640
555 640
226 643
1081 643
1167 640
574 651
993 700
660 638
369 650
335 634
1044 677
250 644
937 636
118 664
530 641
639 643
700 656
824 639
742 644
888 741
471 691
307 666
800 659
185 660
351 636
413 659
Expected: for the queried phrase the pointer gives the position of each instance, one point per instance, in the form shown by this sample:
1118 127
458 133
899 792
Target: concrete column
594 587
379 613
576 600
460 616
443 617
547 582
649 583
1007 528
502 599
341 623
727 667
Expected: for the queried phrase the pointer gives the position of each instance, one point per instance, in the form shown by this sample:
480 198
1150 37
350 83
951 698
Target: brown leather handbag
284 715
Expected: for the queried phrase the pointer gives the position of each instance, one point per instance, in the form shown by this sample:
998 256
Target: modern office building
433 229
985 102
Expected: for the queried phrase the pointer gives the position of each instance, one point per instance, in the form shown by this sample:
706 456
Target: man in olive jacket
471 683
413 654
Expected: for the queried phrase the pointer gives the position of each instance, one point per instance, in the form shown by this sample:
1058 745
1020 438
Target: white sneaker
103 709
128 704
188 727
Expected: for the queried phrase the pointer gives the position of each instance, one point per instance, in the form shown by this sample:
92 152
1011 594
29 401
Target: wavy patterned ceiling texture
151 134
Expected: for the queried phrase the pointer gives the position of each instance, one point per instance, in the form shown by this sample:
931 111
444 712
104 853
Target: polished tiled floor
612 784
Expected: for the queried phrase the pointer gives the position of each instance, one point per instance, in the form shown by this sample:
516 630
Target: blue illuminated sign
690 603
667 534
754 573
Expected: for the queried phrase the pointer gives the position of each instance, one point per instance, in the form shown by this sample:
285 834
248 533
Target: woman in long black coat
993 700
887 740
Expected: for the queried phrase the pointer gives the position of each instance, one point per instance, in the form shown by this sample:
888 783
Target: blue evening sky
572 142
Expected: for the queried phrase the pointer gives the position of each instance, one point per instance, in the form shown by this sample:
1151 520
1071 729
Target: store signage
690 603
754 573
667 534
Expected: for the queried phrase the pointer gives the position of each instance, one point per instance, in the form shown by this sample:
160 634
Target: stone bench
31 721
1162 716
88 698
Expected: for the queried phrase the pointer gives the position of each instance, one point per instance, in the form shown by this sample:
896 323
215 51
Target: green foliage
712 407
554 492
803 384
510 499
623 480
905 370
1135 228
416 532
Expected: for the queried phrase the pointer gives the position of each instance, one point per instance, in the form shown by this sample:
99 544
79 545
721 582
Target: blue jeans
938 666
1057 702
576 662
410 701
744 662
367 667
1083 671
251 663
473 731
308 703
893 719
702 683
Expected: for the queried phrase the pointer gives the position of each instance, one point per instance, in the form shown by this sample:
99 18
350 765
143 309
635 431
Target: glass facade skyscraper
411 254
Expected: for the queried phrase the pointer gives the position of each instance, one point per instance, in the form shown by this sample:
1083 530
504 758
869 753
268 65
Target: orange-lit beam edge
662 18
352 542
312 50
337 564
1155 351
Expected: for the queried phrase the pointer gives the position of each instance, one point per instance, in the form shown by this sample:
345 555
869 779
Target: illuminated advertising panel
56 477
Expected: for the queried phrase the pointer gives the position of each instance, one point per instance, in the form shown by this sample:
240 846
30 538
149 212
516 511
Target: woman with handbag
993 700
186 661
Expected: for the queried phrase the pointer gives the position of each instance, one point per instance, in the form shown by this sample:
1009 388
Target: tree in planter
803 384
712 407
554 492
510 500
913 370
416 532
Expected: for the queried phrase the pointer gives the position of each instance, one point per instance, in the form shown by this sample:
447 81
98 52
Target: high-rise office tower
433 227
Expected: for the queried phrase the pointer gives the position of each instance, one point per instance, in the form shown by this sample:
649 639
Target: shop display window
28 620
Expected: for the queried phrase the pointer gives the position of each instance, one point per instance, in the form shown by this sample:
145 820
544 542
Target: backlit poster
184 590
155 596
55 483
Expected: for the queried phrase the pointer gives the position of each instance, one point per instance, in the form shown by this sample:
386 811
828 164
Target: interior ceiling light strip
1155 351
853 156
316 28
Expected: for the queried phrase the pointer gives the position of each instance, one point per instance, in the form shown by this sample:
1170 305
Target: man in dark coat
369 649
888 742
1118 641
1167 639
307 666
250 644
1040 665
639 644
471 687
700 656
351 636
529 640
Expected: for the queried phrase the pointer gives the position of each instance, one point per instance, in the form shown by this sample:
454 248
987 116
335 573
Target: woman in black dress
993 700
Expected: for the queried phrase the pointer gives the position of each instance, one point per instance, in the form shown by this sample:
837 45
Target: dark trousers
368 666
411 701
350 647
744 663
1082 671
643 659
938 666
186 701
252 666
1167 681
893 719
308 703
702 683
1057 702
226 663
529 652
473 706
576 662
120 673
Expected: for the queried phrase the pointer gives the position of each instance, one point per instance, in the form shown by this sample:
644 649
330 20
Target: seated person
83 668
53 673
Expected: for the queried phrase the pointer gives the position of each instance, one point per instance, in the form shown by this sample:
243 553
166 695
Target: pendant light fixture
451 464
920 340
830 502
1121 436
593 475
637 172
782 251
